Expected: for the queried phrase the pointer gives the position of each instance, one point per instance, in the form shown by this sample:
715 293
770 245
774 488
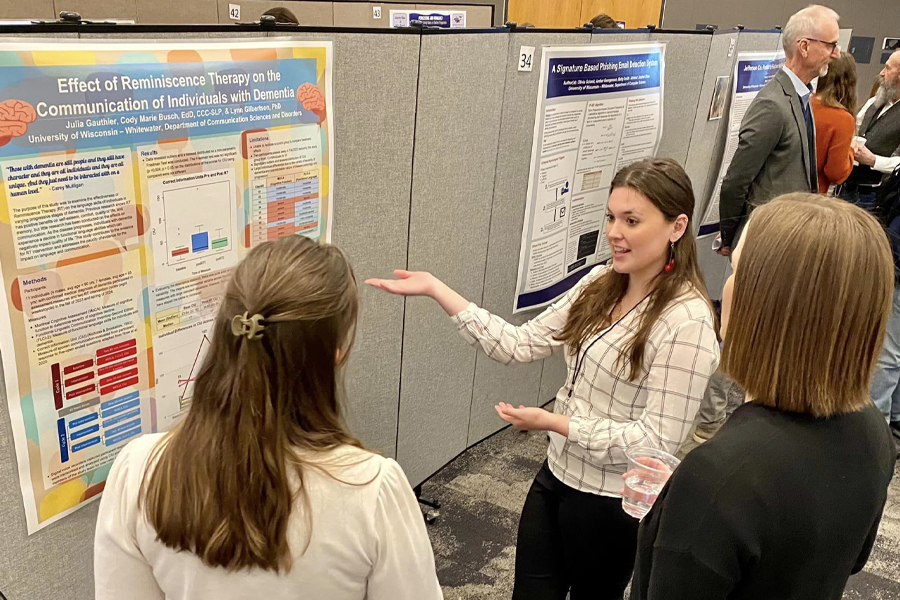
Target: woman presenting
640 345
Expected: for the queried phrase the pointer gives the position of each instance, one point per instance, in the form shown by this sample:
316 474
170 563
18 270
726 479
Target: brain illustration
15 115
312 100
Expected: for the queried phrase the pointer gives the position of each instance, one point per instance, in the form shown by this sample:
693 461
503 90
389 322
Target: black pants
572 541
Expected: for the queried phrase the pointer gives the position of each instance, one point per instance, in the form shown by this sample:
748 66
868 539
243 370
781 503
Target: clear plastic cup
648 471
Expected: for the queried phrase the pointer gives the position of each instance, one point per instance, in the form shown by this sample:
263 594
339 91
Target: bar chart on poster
198 221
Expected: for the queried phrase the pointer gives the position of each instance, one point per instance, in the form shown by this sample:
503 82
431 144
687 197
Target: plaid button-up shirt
608 412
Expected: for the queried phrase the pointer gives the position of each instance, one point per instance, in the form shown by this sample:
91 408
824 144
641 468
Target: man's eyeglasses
832 45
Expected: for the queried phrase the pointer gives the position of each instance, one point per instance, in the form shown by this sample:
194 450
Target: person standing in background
283 16
879 123
834 107
786 500
604 21
776 151
776 154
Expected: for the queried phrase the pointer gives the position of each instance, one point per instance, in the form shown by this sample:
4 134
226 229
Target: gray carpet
482 493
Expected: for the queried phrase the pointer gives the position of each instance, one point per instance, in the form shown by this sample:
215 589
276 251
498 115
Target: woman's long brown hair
221 487
837 88
664 183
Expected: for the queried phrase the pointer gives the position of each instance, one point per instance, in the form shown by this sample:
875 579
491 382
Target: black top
882 135
777 505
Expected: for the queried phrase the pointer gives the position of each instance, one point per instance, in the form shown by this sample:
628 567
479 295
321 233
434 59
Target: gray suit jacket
773 155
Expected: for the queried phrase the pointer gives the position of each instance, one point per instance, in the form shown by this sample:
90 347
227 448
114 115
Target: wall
868 18
480 13
575 13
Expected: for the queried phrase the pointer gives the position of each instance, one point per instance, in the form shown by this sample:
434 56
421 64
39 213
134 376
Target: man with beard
879 123
776 155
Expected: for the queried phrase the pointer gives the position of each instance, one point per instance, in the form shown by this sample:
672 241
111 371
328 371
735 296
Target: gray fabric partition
705 154
715 268
494 382
375 86
375 79
461 80
686 58
708 138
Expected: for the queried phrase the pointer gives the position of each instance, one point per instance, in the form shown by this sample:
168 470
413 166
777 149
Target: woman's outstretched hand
422 283
408 283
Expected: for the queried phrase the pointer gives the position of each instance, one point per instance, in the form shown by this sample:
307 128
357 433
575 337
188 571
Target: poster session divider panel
58 562
461 80
494 382
375 86
708 137
707 149
686 56
448 129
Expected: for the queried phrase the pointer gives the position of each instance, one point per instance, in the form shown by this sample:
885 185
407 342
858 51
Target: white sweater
368 541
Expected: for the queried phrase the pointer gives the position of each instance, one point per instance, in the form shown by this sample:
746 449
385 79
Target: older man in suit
776 154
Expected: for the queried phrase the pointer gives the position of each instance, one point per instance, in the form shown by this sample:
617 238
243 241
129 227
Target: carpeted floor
482 493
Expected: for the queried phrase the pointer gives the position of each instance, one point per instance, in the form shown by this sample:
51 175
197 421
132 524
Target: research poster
599 109
134 178
752 71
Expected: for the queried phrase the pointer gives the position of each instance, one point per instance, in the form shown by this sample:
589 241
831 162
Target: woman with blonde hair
640 344
785 501
834 110
260 491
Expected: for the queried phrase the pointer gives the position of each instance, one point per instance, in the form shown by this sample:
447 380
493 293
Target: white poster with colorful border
135 176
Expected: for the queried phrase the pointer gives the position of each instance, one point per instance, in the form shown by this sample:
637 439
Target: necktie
811 142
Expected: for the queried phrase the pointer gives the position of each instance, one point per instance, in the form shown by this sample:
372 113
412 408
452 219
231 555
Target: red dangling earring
670 266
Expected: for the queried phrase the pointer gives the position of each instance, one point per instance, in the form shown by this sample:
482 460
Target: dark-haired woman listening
640 344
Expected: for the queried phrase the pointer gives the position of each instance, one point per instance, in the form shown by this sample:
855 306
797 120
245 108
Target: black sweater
778 506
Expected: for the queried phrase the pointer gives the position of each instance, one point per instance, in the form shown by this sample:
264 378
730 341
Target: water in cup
648 471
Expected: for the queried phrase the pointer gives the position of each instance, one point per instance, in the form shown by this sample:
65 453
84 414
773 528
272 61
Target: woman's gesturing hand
408 283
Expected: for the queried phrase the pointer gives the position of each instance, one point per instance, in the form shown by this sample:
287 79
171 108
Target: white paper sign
234 12
526 58
376 12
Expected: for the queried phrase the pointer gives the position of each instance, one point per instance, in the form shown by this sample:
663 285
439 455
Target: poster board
599 109
135 177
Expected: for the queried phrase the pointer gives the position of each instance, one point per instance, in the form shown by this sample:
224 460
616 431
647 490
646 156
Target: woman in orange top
834 107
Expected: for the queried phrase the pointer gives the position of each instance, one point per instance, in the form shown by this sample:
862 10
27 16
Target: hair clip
252 327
